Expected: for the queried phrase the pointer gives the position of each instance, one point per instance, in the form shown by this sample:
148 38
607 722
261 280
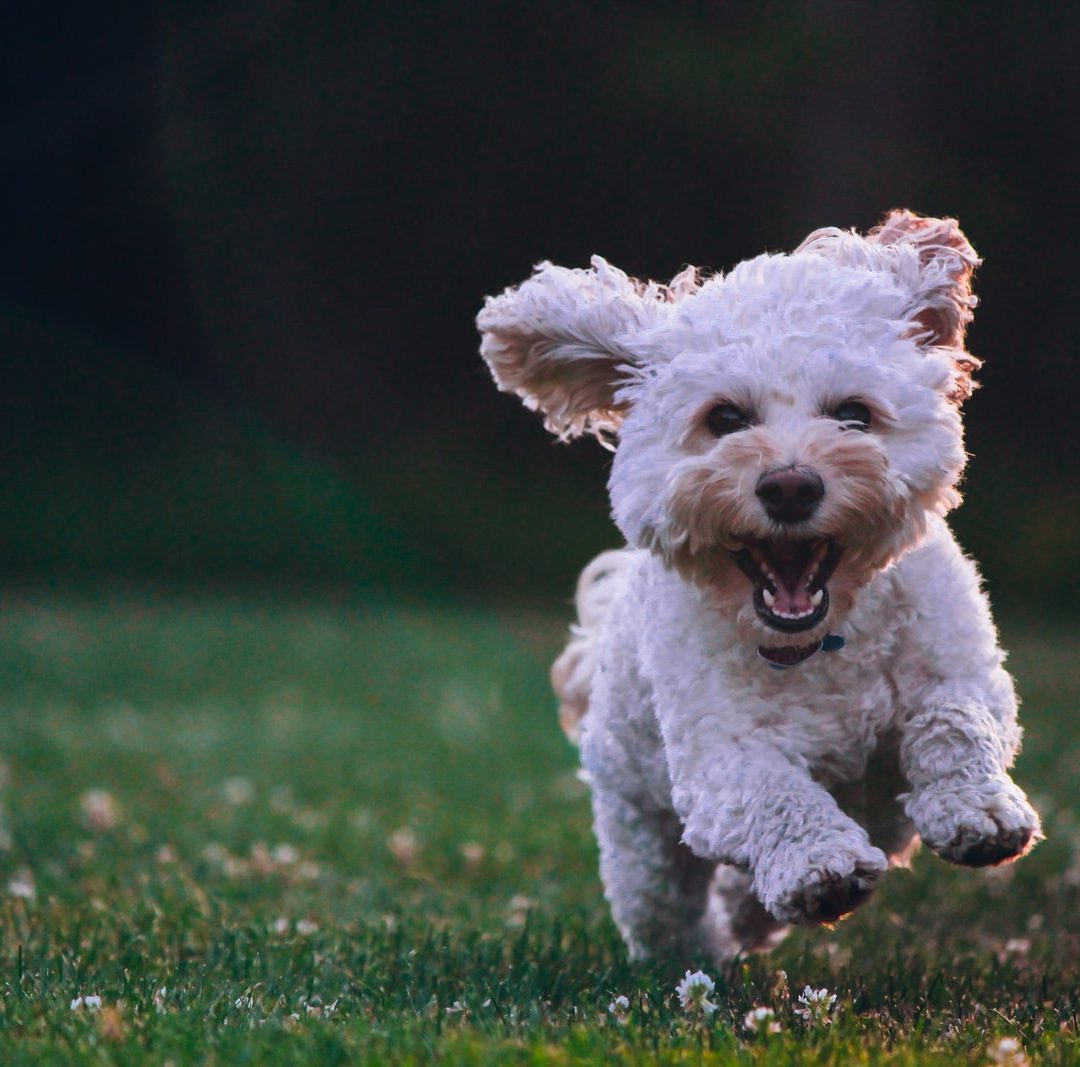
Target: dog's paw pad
971 848
826 896
997 828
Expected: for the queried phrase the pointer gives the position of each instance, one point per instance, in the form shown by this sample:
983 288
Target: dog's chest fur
834 713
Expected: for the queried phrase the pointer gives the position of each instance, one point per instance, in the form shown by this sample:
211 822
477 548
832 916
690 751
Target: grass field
274 831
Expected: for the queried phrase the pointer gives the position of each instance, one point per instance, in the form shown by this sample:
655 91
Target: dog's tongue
790 563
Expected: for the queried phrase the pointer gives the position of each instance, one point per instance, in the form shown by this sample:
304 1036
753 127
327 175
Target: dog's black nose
790 495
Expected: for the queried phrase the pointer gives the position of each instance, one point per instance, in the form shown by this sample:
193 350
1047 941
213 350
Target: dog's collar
829 643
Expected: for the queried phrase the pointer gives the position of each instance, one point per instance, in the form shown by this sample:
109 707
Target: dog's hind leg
735 920
657 888
572 673
669 903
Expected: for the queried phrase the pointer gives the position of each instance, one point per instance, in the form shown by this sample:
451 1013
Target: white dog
791 675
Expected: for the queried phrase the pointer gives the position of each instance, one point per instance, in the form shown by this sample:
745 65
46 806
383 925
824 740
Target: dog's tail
572 673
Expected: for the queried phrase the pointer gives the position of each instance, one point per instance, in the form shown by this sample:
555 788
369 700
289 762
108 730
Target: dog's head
783 431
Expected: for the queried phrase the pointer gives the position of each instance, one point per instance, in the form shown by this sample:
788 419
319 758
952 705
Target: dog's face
784 431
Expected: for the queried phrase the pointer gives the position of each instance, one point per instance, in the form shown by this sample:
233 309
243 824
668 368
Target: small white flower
1009 1052
305 927
619 1009
285 855
761 1020
404 846
238 791
159 1000
518 909
817 1005
22 885
307 871
462 1010
101 811
472 852
694 991
318 1010
88 1003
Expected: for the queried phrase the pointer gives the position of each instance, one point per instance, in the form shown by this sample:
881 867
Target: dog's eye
726 418
856 416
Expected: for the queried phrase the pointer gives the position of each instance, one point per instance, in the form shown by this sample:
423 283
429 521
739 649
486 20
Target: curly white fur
731 798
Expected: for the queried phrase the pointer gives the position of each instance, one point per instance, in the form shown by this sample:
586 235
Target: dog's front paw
978 824
810 892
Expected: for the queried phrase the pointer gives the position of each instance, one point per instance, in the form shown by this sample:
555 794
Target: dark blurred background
245 242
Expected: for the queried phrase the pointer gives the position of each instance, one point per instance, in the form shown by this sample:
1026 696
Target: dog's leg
736 921
962 801
657 888
750 805
959 734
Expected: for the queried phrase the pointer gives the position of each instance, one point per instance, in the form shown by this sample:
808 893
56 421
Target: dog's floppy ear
932 260
945 303
561 341
946 262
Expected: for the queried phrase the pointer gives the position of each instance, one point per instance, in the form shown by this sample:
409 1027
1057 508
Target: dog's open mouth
789 576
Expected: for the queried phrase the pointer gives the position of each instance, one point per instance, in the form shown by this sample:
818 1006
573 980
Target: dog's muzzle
789 577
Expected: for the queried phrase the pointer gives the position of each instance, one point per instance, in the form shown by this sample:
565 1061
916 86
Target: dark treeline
246 242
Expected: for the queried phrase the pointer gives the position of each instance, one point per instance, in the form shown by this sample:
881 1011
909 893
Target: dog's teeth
768 598
817 598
